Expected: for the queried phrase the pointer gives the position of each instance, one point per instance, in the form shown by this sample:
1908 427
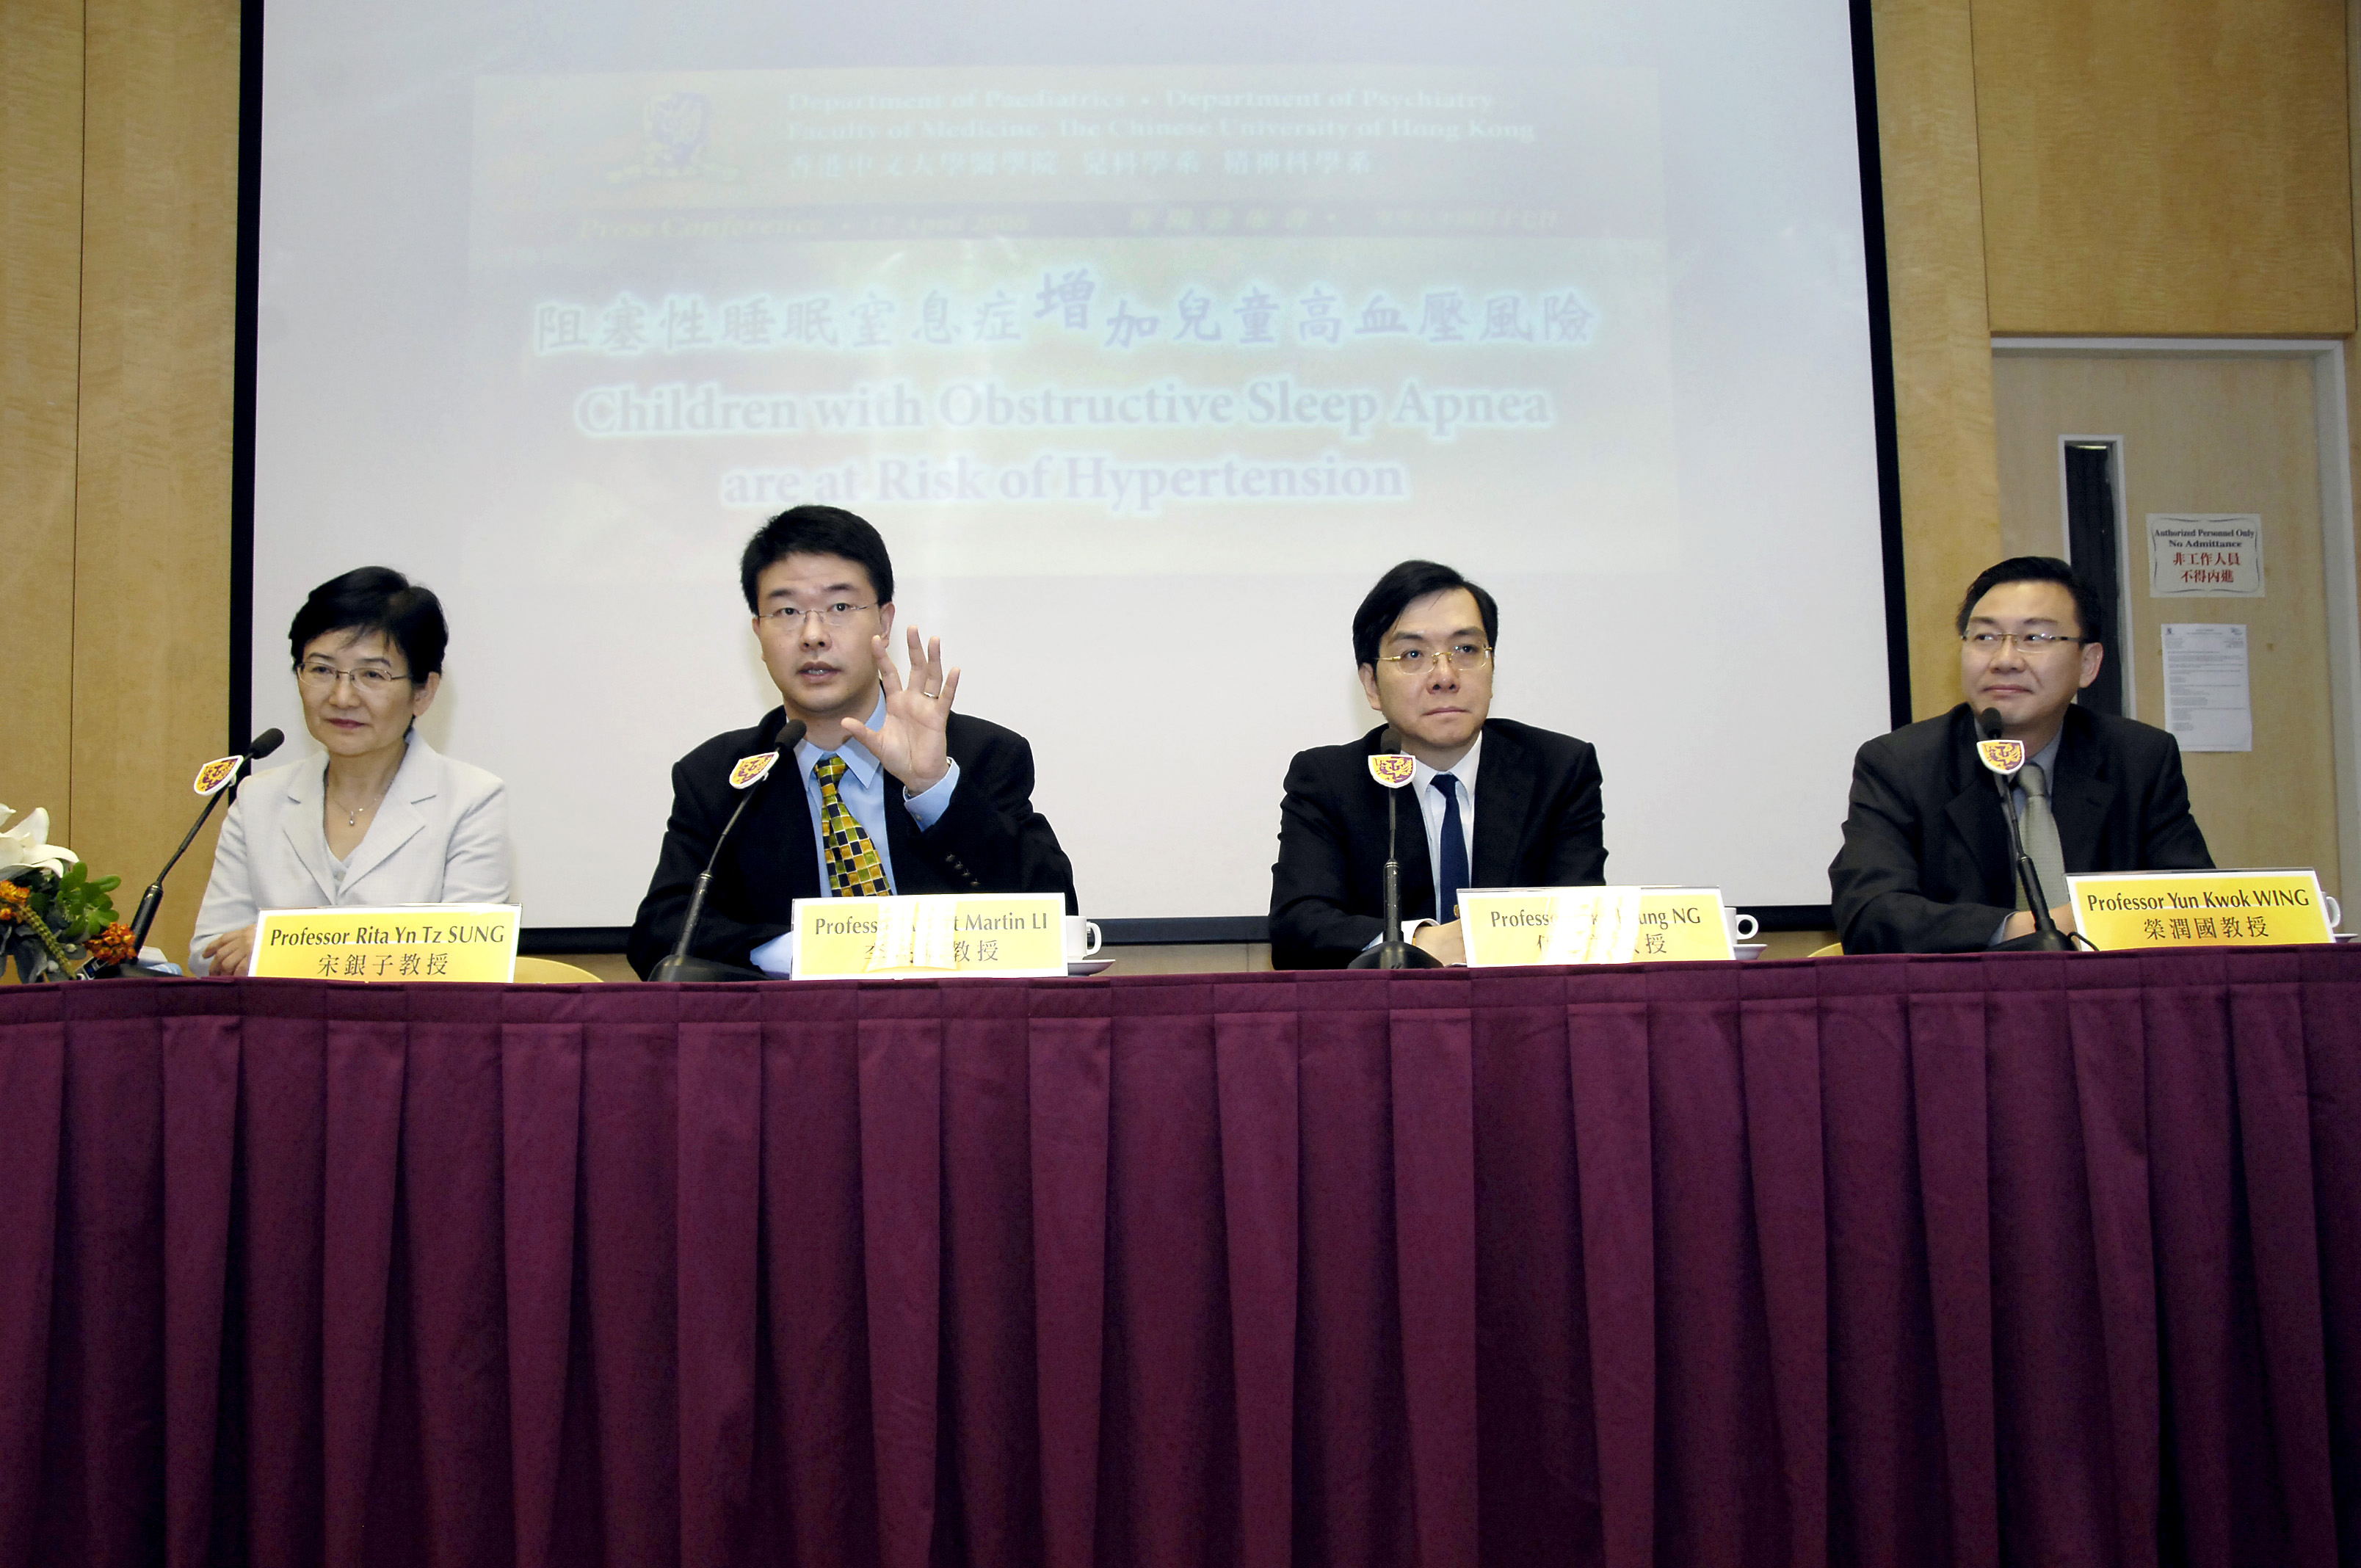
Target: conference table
2009 1259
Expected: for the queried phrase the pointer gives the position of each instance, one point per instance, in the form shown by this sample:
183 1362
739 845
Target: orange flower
14 898
113 945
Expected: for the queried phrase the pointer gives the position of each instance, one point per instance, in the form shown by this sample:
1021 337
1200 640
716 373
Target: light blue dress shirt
862 790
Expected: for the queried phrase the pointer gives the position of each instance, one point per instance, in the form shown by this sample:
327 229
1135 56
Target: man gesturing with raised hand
898 793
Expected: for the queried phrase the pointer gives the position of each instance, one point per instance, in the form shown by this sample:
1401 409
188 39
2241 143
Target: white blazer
441 836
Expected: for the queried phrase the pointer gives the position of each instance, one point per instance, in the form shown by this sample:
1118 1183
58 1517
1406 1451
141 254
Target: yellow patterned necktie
854 869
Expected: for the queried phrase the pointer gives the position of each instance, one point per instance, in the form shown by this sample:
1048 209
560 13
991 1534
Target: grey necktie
2038 828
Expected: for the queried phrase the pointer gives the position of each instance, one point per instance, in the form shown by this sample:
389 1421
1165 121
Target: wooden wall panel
151 556
1942 339
2165 167
41 310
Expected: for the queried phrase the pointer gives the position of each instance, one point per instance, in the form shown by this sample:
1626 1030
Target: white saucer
1089 966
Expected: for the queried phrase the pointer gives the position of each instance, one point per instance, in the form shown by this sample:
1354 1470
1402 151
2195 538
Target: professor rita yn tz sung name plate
402 942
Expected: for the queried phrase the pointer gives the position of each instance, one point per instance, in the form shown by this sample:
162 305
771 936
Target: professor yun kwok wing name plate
2199 909
410 941
931 934
1550 924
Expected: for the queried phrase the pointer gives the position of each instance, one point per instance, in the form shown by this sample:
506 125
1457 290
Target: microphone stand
678 965
2044 937
1392 951
133 967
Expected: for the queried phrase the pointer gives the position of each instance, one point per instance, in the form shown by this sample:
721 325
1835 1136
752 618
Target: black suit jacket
1925 866
990 840
1538 823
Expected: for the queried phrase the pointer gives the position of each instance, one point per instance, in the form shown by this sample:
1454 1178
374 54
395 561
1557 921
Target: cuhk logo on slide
675 147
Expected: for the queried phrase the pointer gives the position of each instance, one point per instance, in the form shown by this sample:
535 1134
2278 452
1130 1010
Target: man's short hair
1400 588
815 530
2039 569
379 600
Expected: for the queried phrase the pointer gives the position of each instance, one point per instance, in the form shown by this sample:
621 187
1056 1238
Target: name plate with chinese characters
1550 924
407 942
931 934
1682 923
2199 909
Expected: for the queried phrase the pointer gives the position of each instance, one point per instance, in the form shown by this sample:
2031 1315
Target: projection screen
1148 338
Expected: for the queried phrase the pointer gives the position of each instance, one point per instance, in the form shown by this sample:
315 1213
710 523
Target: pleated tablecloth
1999 1259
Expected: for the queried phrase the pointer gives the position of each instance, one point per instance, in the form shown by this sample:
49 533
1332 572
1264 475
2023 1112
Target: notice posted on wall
2204 556
2207 703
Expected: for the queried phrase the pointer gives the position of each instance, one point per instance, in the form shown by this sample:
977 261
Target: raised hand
912 744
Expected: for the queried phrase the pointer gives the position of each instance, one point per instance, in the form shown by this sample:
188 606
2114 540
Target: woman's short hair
376 598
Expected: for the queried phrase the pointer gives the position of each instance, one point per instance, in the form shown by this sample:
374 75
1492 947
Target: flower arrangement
54 920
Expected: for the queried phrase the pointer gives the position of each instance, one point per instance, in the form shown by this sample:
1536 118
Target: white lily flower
26 847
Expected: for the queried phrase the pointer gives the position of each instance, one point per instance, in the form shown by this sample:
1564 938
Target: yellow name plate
931 934
1549 924
411 941
2199 909
1682 923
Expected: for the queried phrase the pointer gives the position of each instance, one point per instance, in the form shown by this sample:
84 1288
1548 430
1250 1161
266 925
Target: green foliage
82 907
74 907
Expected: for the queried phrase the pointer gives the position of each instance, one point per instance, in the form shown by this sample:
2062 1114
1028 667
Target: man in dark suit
1491 802
889 790
1926 866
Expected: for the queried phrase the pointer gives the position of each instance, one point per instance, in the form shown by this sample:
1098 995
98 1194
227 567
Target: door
2201 433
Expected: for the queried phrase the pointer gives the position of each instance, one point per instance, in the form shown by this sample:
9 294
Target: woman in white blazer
383 817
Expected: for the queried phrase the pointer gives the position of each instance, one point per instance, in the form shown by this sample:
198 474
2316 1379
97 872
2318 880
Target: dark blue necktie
1455 851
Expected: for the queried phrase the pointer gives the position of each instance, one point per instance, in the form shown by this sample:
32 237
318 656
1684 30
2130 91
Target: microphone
2003 759
677 965
1390 769
214 781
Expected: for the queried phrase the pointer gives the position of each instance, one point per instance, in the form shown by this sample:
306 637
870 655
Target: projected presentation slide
1100 320
1146 341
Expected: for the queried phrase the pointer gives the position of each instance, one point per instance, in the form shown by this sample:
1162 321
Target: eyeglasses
787 618
1459 656
2026 641
369 680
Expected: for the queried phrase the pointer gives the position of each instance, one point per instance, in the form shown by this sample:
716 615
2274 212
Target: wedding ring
929 695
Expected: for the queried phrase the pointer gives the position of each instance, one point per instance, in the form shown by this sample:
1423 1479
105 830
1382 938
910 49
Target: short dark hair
816 530
1404 586
380 600
2038 569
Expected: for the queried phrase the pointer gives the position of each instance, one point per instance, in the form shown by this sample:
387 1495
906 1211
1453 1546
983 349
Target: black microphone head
791 735
1390 741
1988 724
265 743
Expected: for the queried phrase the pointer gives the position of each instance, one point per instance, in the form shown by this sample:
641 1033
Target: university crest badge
1392 769
2002 757
750 770
215 773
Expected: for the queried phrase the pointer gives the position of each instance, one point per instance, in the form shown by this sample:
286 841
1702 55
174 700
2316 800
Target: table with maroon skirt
1998 1260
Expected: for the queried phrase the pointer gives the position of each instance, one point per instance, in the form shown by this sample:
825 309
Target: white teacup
1083 939
1740 928
2335 912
